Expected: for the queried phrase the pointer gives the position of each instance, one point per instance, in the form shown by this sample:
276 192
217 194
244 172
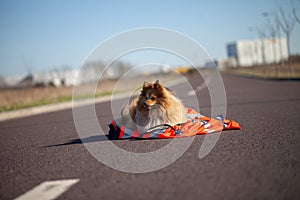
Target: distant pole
272 33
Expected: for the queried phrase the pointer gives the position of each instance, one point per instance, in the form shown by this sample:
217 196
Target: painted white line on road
191 93
48 190
201 87
198 89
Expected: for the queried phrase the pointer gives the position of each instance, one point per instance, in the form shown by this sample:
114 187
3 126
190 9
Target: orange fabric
194 126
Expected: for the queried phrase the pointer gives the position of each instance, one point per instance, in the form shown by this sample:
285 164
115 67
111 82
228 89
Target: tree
286 23
294 10
273 29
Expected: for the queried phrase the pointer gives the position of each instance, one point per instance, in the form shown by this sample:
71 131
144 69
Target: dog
154 106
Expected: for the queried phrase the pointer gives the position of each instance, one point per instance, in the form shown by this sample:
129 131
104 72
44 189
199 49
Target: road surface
261 161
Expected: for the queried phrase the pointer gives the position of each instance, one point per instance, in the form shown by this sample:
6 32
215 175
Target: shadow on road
95 138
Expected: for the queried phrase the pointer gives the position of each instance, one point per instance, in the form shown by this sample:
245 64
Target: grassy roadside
19 98
42 102
268 71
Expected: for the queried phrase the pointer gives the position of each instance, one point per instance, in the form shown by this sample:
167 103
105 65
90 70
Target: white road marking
48 190
198 89
201 87
191 93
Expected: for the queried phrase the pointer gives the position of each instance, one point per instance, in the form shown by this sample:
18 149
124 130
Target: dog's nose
145 104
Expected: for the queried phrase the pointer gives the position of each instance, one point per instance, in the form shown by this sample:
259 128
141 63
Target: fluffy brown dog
156 105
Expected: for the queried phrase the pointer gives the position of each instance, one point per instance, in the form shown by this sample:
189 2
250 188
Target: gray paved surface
261 161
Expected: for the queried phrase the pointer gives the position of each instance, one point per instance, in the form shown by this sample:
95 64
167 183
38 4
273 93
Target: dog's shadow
94 138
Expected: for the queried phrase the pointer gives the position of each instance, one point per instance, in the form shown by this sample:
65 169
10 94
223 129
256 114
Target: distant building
12 81
27 81
225 63
164 68
258 51
64 77
211 64
2 82
57 78
90 72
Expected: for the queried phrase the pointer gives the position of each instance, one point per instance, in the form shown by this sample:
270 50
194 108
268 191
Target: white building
258 51
225 63
64 77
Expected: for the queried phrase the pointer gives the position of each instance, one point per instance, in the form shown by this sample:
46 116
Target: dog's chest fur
147 119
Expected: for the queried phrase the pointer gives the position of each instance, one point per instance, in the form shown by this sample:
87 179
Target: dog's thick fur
154 106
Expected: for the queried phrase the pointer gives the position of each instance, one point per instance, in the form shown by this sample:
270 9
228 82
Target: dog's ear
145 84
156 84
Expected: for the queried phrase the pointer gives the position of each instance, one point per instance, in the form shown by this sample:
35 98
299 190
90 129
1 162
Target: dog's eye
153 98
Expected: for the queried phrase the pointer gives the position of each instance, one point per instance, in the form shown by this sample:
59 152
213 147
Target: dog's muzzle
147 106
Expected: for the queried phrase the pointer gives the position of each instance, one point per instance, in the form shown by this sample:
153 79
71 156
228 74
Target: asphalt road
260 161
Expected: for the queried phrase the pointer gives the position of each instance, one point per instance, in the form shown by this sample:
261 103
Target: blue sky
39 35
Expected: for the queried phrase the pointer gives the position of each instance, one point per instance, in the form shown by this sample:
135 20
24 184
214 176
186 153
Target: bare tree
294 10
273 29
286 23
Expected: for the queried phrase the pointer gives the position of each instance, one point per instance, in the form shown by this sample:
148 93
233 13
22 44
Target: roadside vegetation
19 98
288 70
